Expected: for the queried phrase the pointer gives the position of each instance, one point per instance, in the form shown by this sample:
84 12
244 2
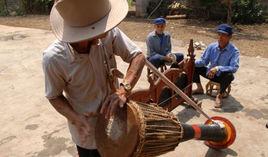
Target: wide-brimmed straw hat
78 20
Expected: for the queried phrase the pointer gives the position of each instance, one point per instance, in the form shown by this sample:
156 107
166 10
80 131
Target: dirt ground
30 127
252 40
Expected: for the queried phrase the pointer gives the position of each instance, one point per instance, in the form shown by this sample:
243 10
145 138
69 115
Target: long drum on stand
145 130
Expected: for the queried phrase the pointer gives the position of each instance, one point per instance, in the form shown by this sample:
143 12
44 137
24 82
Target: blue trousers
157 59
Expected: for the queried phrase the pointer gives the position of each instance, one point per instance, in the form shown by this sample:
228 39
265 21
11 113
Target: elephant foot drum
138 130
146 130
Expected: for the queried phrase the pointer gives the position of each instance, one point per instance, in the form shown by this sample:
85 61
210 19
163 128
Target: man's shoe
218 101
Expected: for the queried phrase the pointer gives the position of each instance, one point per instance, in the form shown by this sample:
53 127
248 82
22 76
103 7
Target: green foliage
130 2
209 3
214 9
248 11
37 6
243 11
161 11
3 11
22 7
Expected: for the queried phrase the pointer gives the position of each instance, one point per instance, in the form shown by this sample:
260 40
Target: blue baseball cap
225 28
159 21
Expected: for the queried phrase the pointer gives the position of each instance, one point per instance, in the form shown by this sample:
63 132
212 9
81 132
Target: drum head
118 136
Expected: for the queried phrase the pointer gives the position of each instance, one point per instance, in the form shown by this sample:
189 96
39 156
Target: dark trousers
82 152
224 79
157 61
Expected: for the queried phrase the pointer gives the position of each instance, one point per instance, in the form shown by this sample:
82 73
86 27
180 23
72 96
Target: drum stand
218 132
131 122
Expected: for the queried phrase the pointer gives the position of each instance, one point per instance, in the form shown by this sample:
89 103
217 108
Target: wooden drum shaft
218 133
203 132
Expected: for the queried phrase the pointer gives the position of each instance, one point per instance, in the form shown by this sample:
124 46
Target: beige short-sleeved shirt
83 77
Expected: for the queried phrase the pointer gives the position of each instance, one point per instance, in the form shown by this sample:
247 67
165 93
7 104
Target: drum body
138 130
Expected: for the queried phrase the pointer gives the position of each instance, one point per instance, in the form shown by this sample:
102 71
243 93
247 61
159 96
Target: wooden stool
213 89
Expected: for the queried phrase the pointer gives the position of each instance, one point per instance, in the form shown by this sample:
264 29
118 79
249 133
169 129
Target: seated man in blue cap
218 63
159 46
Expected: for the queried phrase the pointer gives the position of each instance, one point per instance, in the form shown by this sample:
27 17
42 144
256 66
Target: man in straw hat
81 62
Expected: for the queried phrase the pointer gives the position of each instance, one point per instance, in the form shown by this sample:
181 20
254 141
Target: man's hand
168 59
80 121
82 125
112 102
212 72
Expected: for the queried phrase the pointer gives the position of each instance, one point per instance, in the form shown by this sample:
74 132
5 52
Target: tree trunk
6 7
229 12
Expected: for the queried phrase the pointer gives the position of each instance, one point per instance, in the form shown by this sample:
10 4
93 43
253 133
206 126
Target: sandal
218 101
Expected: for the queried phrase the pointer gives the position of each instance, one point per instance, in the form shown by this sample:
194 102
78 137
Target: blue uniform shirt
158 45
226 59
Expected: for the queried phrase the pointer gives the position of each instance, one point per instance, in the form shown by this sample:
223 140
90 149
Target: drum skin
138 130
117 137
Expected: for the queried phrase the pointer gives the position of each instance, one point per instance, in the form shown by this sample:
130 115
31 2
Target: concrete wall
141 6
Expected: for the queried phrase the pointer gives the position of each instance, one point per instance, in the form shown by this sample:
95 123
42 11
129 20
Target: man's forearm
62 105
227 69
135 69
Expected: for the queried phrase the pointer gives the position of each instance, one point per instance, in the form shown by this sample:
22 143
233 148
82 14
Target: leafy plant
214 9
248 11
159 8
242 11
130 2
37 6
3 9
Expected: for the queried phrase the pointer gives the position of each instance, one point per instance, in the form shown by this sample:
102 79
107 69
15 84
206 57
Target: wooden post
172 86
190 69
141 6
6 7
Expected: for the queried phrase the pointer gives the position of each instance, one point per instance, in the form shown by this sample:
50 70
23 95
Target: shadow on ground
256 113
230 104
220 153
187 113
